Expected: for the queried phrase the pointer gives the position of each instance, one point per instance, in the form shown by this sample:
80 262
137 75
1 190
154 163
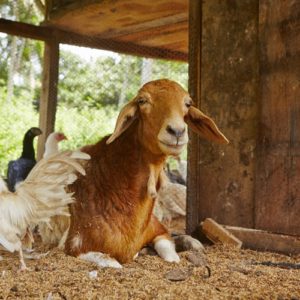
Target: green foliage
171 70
82 127
4 44
16 118
86 126
29 53
104 81
21 10
98 83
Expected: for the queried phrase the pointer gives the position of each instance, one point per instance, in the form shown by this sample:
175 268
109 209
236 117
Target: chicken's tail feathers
11 246
45 187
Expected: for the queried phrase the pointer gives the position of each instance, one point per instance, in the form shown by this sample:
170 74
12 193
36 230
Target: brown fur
113 209
116 221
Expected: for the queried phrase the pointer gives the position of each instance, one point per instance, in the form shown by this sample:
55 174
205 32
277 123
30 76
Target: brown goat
111 219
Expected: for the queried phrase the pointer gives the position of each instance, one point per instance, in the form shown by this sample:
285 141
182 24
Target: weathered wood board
223 176
277 196
266 241
250 70
219 234
159 24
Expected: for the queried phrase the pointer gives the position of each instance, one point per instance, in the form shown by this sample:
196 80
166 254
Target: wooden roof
157 24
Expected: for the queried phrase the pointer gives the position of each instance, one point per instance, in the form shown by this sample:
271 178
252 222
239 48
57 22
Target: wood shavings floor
233 276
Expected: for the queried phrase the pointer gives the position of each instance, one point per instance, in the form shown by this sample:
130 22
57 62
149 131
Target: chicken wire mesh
20 87
93 84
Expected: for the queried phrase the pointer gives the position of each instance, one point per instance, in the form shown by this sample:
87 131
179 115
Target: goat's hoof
172 257
101 259
115 265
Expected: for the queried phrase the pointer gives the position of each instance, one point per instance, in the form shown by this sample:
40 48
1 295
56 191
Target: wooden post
48 4
195 40
48 101
223 78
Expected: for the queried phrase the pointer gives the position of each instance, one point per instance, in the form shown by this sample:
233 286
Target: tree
14 49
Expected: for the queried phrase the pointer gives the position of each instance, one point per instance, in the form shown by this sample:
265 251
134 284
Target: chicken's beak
63 137
37 131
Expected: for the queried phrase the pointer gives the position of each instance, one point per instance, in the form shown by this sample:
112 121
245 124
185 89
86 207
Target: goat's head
164 108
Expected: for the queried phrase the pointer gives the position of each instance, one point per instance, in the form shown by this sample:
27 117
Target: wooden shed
244 62
138 25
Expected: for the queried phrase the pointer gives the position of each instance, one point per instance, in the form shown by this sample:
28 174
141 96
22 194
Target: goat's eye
141 101
188 104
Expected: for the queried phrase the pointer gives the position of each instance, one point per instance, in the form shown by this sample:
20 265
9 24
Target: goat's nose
178 132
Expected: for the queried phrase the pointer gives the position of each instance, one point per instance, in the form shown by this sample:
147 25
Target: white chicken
170 205
182 167
56 230
38 198
51 145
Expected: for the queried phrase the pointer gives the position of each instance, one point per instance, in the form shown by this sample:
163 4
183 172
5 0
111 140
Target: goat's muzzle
173 139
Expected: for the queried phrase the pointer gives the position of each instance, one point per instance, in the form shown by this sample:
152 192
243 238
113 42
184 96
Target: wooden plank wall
229 72
277 201
250 71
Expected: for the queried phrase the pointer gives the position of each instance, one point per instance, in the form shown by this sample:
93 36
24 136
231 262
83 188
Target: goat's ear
204 126
126 117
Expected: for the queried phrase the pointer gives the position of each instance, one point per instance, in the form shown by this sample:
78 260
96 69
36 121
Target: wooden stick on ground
218 234
266 241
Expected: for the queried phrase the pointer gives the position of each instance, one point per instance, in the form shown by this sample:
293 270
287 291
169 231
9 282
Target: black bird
20 168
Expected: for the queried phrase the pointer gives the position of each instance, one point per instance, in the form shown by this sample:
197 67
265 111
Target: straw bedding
221 273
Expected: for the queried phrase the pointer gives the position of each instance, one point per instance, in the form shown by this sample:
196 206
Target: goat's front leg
161 240
165 248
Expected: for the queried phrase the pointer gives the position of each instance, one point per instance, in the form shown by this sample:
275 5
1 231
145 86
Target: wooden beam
266 241
71 38
45 33
195 44
147 25
25 30
48 100
58 8
180 30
